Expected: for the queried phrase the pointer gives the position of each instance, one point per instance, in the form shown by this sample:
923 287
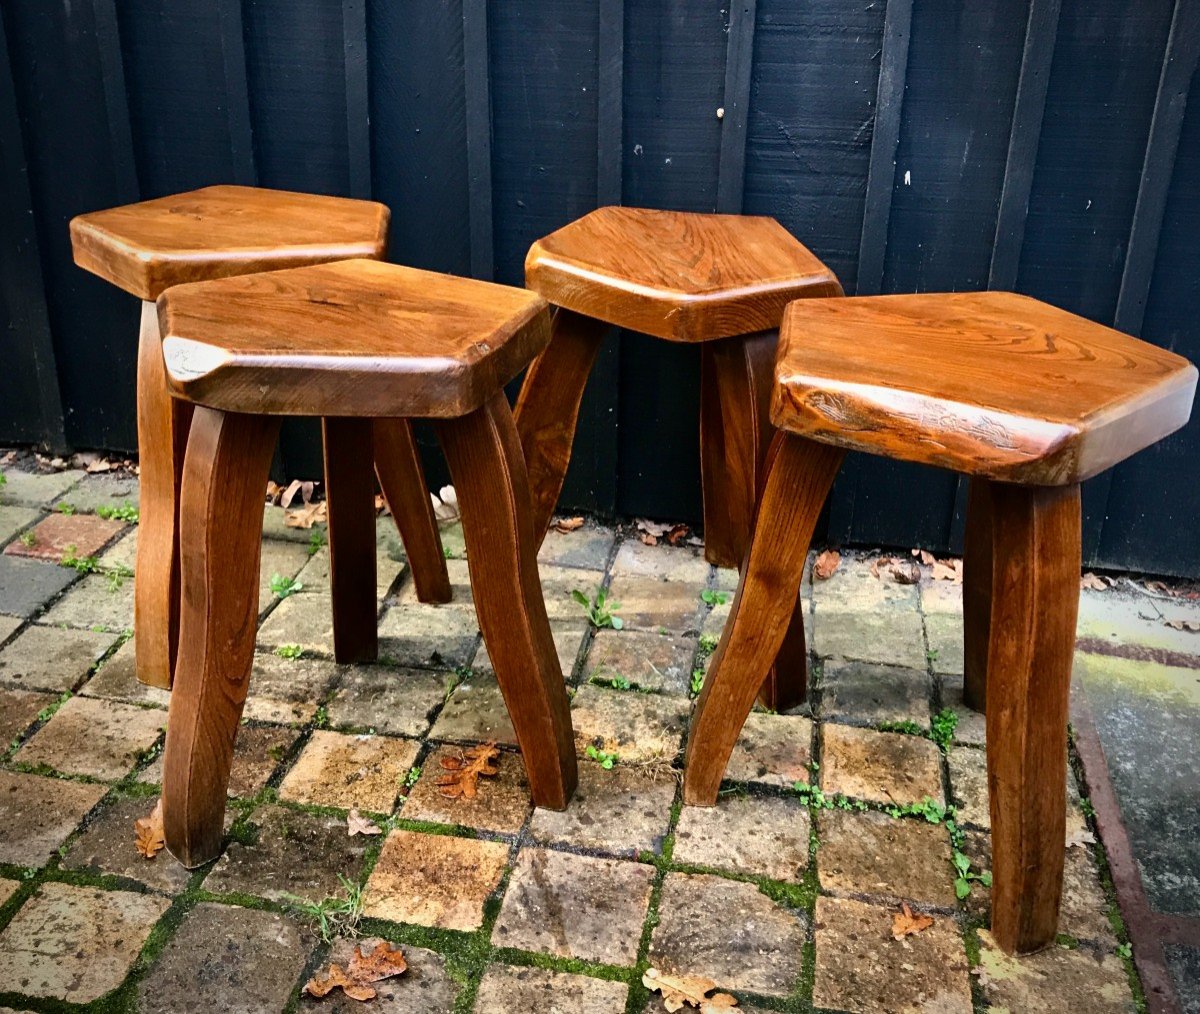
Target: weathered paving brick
772 750
649 660
106 848
886 767
501 803
860 693
662 562
424 988
460 593
944 635
645 603
434 880
728 931
587 548
7 889
8 627
891 635
102 739
117 679
18 709
575 906
59 535
315 573
76 943
428 635
27 585
47 658
971 728
92 492
94 603
862 969
37 814
636 727
36 489
397 701
475 712
227 960
364 772
303 618
275 526
287 560
258 751
122 554
622 811
504 989
568 635
287 689
746 834
13 519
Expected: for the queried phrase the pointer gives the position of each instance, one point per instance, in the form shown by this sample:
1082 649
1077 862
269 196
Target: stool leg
977 592
735 431
799 473
547 410
225 472
402 480
485 459
1035 598
350 499
162 437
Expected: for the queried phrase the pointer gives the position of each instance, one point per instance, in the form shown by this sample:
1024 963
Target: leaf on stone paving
358 824
1092 582
305 489
717 1003
306 516
149 836
274 491
690 990
926 557
565 525
906 922
383 961
381 506
647 540
827 562
466 769
1081 838
651 531
445 505
948 570
1191 626
677 534
905 572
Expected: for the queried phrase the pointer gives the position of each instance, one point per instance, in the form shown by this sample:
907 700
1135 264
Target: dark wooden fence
1042 145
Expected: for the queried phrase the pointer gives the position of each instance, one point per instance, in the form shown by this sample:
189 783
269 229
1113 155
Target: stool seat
351 338
991 384
221 231
676 275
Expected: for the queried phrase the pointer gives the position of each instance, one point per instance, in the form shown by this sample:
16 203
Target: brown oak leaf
466 769
1191 626
948 570
677 534
1092 582
717 1003
566 525
356 823
383 961
150 838
691 990
906 922
306 516
826 563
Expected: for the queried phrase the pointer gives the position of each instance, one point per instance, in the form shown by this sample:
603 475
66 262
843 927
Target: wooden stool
1029 401
352 343
215 233
718 280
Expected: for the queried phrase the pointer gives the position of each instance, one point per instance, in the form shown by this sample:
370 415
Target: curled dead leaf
826 563
905 572
948 570
383 961
677 534
906 922
306 516
647 539
1080 838
1092 582
565 525
465 770
445 505
381 506
149 836
1191 626
356 823
690 990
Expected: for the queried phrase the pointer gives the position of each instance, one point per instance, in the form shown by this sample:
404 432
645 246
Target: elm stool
1028 401
218 232
352 342
720 281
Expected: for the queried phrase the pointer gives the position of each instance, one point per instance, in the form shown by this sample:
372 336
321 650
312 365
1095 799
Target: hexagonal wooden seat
218 232
349 342
1029 401
677 275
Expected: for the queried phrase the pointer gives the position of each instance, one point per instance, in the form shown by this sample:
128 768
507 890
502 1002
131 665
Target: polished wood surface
350 501
987 383
357 337
221 231
799 474
398 468
676 275
547 409
488 469
977 593
228 459
163 425
1035 599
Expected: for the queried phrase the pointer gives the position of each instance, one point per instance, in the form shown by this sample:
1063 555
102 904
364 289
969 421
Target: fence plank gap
358 109
739 60
479 136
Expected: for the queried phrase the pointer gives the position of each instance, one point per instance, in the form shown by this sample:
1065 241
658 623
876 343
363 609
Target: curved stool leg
977 592
799 473
484 454
402 480
225 472
547 410
1035 599
350 500
162 438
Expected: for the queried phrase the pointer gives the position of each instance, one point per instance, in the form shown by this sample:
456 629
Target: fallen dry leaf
445 505
677 534
306 516
647 539
1191 626
274 491
1081 838
827 562
1092 582
381 506
356 823
692 990
149 836
305 489
566 525
906 922
948 570
383 961
466 769
905 572
926 557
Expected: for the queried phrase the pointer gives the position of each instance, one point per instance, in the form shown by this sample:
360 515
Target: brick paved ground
783 894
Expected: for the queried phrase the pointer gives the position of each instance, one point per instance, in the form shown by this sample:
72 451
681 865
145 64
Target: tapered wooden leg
484 454
1035 598
162 438
547 409
402 480
799 473
977 593
350 498
225 473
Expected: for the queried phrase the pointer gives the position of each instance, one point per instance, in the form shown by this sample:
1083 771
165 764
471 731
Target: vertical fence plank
610 102
479 136
237 93
739 59
116 101
358 112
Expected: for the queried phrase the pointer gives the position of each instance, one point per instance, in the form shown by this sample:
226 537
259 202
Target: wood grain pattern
350 501
225 472
991 384
402 480
484 454
547 409
356 337
977 593
1035 599
221 231
163 425
676 275
799 473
